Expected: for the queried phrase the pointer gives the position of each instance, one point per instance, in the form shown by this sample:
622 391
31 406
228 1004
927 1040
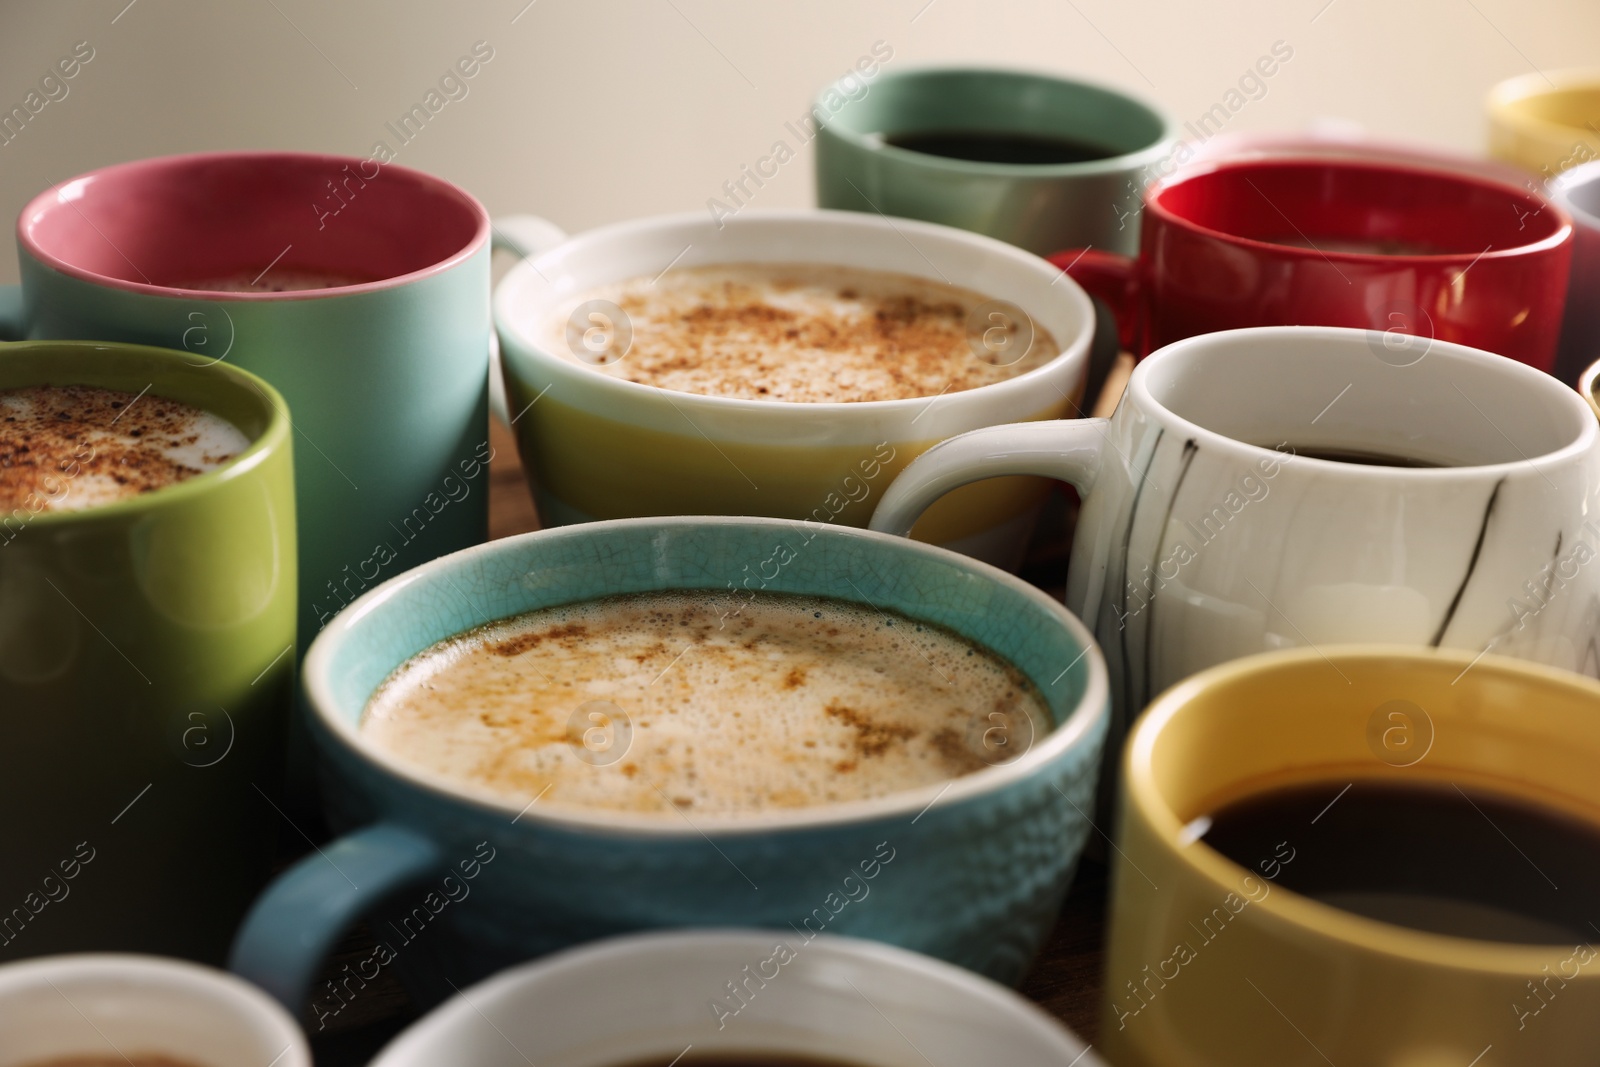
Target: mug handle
1114 280
524 236
12 327
1066 449
293 925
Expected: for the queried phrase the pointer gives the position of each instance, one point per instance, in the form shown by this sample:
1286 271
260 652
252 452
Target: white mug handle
1067 449
524 236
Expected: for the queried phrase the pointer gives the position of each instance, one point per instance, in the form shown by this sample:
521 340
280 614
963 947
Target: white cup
118 1007
723 991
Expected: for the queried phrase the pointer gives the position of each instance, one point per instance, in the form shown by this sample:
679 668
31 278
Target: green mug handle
524 236
12 326
296 922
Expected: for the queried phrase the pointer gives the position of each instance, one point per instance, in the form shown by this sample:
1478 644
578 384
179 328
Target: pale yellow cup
1586 386
1546 122
1213 965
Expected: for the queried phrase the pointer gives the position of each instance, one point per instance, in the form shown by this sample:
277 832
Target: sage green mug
1042 207
146 677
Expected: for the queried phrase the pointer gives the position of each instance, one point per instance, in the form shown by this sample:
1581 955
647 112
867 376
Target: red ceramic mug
1382 245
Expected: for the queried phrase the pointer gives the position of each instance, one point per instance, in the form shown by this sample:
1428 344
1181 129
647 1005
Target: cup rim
1503 95
48 199
512 322
1164 144
1138 389
750 942
271 439
1203 168
1304 913
178 975
1072 731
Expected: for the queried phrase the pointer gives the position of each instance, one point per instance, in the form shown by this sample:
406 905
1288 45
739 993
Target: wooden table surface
1065 979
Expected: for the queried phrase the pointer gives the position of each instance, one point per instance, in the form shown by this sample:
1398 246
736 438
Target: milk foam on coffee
704 703
68 447
801 332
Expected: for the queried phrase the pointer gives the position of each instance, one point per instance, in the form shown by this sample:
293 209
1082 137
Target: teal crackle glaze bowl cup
456 887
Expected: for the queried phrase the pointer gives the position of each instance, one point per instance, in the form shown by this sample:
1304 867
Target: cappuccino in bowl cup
782 363
600 729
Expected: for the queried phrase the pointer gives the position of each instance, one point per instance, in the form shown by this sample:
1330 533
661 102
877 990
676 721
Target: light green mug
146 675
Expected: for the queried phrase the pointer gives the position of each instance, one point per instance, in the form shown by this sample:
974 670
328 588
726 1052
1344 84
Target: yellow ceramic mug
603 447
1214 965
1546 123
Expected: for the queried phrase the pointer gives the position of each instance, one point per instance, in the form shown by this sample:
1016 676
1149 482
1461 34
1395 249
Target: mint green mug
146 678
385 369
1044 207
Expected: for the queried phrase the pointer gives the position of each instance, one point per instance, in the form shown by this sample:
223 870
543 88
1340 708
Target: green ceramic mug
146 677
1041 206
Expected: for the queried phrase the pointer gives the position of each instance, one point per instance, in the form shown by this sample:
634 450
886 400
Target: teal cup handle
524 236
292 927
12 327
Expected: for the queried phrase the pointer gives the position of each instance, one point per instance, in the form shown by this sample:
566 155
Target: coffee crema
276 280
705 703
69 447
798 332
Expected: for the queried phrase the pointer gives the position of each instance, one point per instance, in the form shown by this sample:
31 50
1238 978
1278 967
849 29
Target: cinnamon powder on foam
798 332
69 447
793 701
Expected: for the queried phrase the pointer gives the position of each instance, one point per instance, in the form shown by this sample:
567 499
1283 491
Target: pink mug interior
159 225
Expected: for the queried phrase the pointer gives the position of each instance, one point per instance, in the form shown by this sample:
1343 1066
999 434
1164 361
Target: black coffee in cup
1000 146
1360 456
1441 857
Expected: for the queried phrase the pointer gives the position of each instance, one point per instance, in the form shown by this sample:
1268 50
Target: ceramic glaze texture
972 871
146 654
598 447
1201 540
1041 207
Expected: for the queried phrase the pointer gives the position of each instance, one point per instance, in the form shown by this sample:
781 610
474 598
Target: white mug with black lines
1290 486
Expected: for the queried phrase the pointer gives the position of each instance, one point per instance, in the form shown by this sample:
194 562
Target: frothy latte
68 447
663 701
799 332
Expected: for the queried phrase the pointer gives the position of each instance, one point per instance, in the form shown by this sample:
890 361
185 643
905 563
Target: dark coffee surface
996 146
1358 456
1436 857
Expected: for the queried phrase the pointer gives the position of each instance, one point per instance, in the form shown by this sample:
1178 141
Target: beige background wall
593 110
